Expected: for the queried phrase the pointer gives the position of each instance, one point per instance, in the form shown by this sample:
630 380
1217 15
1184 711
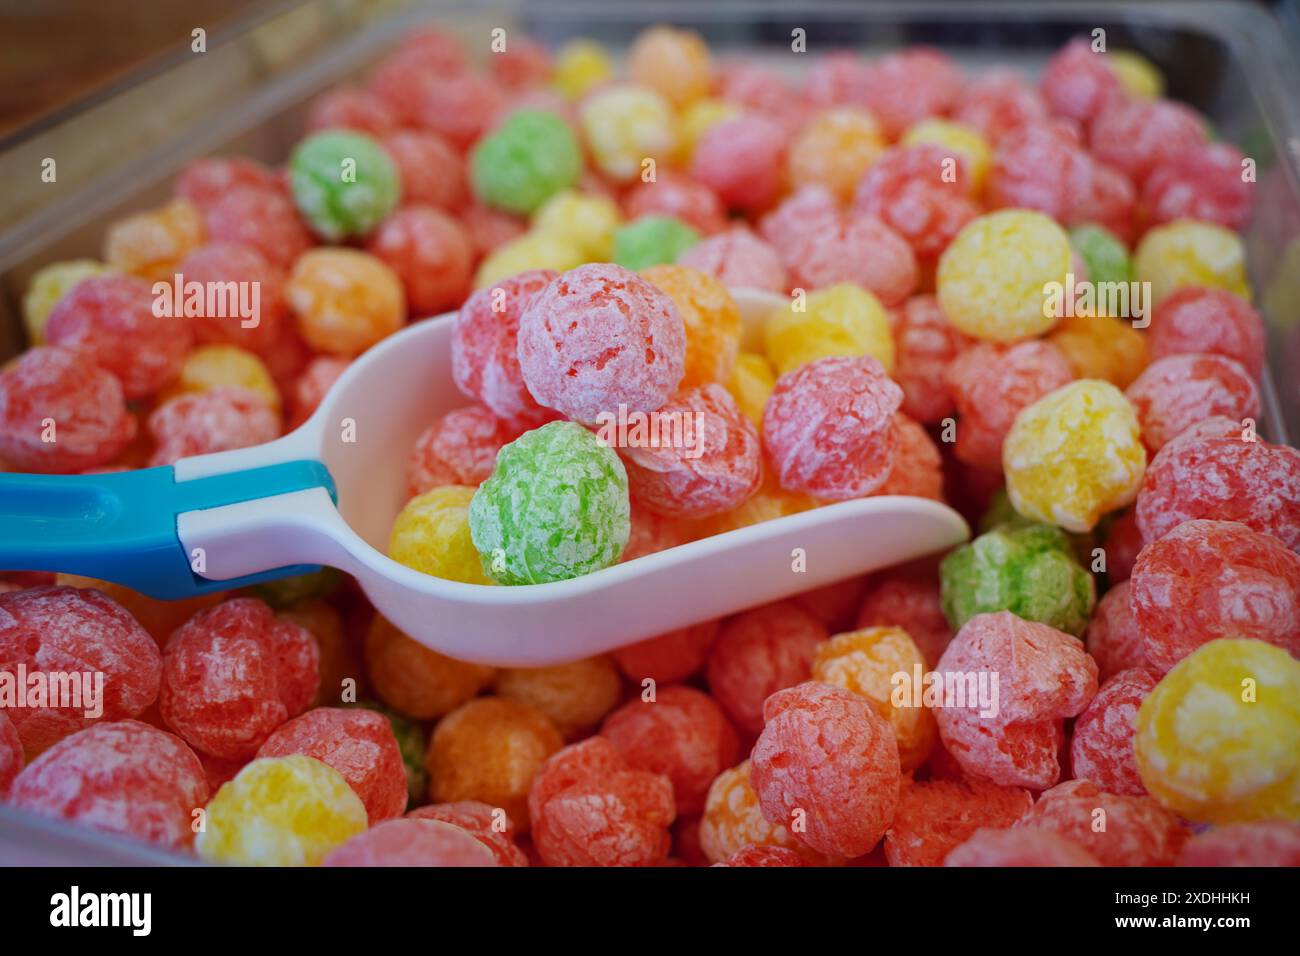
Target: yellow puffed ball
964 141
280 811
1217 739
994 277
865 662
1102 346
48 286
1191 252
711 317
580 65
626 125
583 220
213 366
431 534
751 384
535 249
696 120
834 150
843 319
674 63
1137 75
1074 455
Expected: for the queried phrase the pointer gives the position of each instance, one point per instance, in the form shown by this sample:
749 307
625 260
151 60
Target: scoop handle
122 526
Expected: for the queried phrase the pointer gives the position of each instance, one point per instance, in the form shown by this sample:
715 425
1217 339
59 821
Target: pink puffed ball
1101 749
412 842
430 252
1019 847
222 262
1136 136
485 348
1113 637
858 249
220 419
1205 183
205 181
1044 676
1042 166
348 107
680 196
739 260
997 102
743 161
263 218
1197 319
925 344
459 448
1138 831
828 427
1077 83
835 79
310 387
431 172
599 337
901 89
805 213
459 107
487 824
763 90
1174 393
906 189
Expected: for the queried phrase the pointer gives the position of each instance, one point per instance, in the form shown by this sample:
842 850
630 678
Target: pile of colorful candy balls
1126 622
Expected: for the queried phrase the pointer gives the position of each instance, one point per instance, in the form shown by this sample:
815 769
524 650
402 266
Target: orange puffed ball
151 244
1101 346
732 819
417 681
834 150
574 696
674 63
338 662
345 300
711 317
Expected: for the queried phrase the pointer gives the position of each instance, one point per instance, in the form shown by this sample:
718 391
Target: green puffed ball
530 158
1027 569
652 241
555 507
1105 257
343 183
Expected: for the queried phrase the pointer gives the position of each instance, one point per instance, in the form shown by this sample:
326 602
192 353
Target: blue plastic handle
121 526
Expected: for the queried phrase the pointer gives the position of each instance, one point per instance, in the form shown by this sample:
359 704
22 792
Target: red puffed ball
682 733
430 252
359 744
83 635
460 448
204 181
599 337
589 809
311 385
906 189
803 215
1137 832
1214 579
1220 470
1019 847
997 102
1136 136
908 599
901 89
834 79
739 260
218 263
762 89
430 171
522 64
121 777
1174 393
1102 747
757 653
265 219
1113 637
1204 183
934 816
715 467
1043 676
1041 166
347 107
1265 843
459 107
11 753
743 161
111 320
234 673
408 842
750 855
859 249
56 393
490 228
485 349
652 532
669 657
680 196
219 419
1077 82
1198 319
826 766
925 345
918 465
833 604
828 427
489 825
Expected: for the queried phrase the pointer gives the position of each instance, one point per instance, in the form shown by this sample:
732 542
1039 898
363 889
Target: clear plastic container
247 95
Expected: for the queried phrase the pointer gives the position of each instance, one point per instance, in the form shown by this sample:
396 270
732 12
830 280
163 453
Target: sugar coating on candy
762 89
280 811
1101 748
91 424
902 88
11 753
1217 738
1219 469
345 300
742 159
1204 183
204 181
750 855
55 630
490 749
839 320
575 695
219 419
925 346
934 816
997 102
415 680
432 535
715 467
1190 253
1074 455
623 125
991 276
599 337
1179 391
150 243
359 744
431 172
260 217
827 758
1113 637
590 808
911 601
733 820
960 141
1210 579
711 319
119 777
1043 166
1022 846
459 107
674 62
220 262
757 653
555 507
918 463
1044 676
525 161
1136 136
1102 346
828 427
667 658
834 150
489 825
865 662
682 733
652 241
855 249
801 216
1138 831
1077 81
459 448
343 183
908 191
430 252
412 842
1267 843
1027 569
1199 319
234 673
310 386
347 107
739 260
